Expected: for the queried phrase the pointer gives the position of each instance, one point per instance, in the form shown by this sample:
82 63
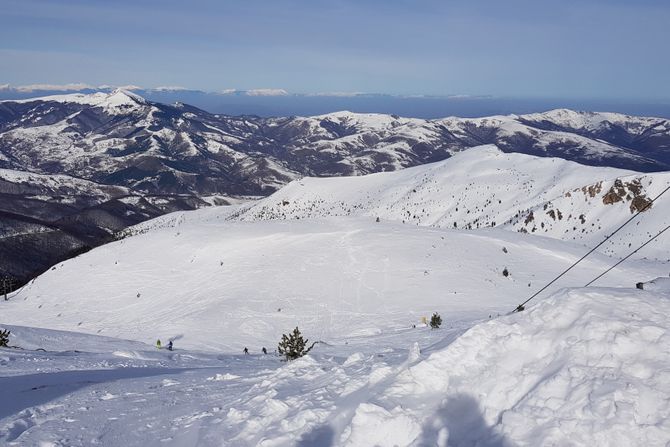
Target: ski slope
224 285
583 367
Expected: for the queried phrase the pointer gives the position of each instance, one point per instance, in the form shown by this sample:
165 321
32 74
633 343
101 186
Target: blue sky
523 48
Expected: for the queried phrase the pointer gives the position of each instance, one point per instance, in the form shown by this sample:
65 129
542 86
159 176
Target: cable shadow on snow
464 422
321 436
20 392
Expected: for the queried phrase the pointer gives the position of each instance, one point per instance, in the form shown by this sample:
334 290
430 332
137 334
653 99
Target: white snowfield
225 285
583 367
580 366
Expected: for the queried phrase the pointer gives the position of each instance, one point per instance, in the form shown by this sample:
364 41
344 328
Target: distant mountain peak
117 98
123 96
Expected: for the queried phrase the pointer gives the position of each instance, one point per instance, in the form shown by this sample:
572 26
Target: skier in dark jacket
170 346
265 351
246 350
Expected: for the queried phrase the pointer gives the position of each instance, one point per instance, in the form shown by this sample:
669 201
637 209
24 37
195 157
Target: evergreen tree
293 346
435 321
4 337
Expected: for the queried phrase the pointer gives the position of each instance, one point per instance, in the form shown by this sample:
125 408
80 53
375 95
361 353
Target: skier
246 350
158 343
265 351
170 346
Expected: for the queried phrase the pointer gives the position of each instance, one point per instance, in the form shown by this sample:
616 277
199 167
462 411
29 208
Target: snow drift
584 367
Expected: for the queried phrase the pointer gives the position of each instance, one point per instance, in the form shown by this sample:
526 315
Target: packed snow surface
582 367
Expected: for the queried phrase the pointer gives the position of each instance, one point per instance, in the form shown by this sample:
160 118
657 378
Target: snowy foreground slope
583 367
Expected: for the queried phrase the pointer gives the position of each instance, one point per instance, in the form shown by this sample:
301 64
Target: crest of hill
484 187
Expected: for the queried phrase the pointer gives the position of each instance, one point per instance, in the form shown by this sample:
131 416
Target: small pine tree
293 346
4 338
435 321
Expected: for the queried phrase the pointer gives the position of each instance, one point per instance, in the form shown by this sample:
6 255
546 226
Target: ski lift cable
628 256
520 307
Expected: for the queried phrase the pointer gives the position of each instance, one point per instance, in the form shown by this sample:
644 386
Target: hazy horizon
427 107
606 49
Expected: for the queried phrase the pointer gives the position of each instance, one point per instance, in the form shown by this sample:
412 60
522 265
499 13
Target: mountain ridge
479 188
172 157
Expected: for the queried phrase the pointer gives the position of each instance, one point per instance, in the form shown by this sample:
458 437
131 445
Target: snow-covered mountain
448 228
585 366
120 138
170 157
45 218
482 188
361 288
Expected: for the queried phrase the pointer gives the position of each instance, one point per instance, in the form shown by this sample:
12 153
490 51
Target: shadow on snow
465 426
20 392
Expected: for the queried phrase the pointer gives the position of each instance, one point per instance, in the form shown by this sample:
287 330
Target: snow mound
586 366
658 285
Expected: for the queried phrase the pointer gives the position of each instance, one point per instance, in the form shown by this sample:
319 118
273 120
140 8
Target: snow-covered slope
225 285
579 367
484 187
117 138
55 186
46 218
584 367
